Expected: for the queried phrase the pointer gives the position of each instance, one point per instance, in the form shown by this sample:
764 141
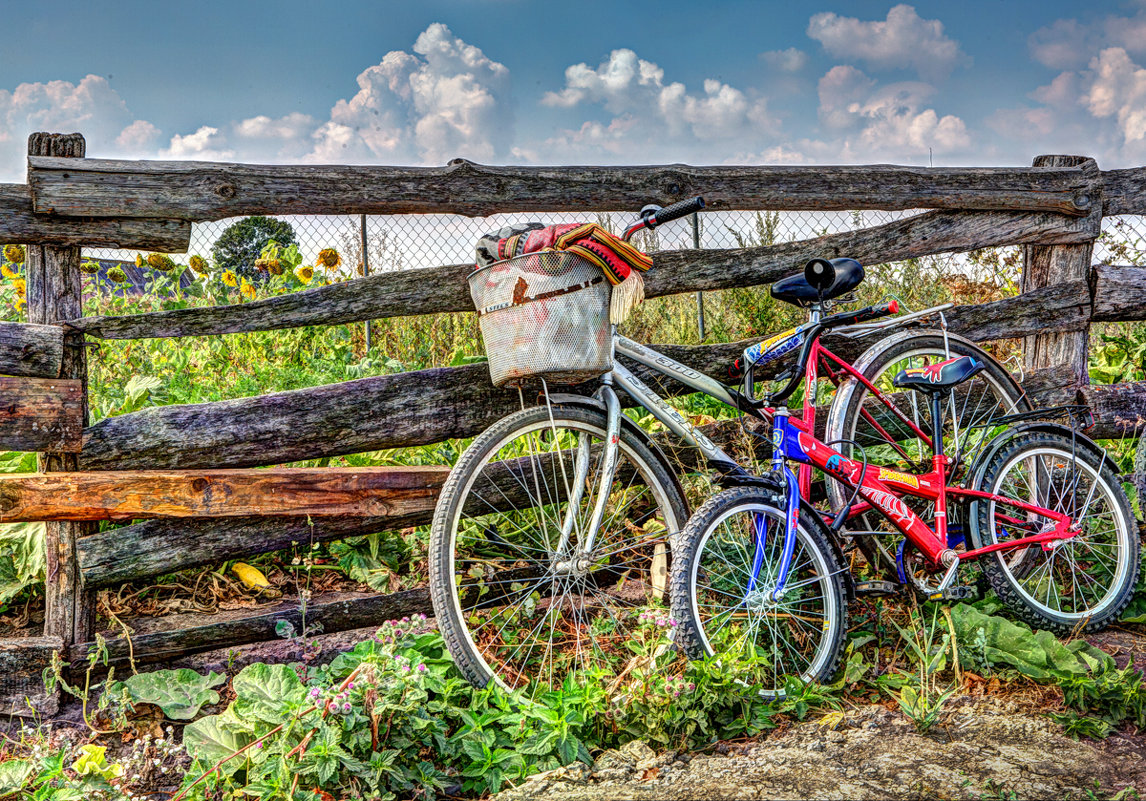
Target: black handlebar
677 210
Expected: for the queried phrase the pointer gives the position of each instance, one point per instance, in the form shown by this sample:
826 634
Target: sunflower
305 273
117 275
20 286
14 253
199 264
269 264
246 290
230 279
328 258
8 272
139 260
161 262
89 267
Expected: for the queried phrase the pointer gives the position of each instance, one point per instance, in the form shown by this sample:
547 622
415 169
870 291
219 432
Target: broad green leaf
209 740
179 693
14 774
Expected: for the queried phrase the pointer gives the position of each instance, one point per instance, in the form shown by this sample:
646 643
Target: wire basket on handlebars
544 314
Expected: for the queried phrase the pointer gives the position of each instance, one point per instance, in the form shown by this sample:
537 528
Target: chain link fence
403 242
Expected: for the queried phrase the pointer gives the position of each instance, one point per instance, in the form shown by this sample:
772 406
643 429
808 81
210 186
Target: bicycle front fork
609 459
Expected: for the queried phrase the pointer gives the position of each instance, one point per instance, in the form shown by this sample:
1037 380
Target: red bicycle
758 570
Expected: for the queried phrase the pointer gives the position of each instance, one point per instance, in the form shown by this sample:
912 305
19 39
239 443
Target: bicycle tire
695 579
515 539
1055 460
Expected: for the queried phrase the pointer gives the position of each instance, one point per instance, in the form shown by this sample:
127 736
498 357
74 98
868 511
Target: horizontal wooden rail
200 191
444 289
1124 191
19 224
1119 293
31 350
352 611
41 414
128 495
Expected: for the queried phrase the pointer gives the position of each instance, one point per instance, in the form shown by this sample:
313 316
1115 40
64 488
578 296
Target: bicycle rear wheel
514 599
1083 583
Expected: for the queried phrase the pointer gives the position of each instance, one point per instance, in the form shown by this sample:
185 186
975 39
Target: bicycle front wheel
519 595
724 578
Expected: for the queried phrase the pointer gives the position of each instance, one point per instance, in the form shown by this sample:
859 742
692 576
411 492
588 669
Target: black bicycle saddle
796 290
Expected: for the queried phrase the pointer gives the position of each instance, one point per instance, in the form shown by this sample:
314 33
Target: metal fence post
365 268
699 295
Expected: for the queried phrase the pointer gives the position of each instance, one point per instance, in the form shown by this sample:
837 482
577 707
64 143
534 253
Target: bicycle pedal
877 589
953 594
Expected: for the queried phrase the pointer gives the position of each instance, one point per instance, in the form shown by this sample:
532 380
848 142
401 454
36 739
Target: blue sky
510 81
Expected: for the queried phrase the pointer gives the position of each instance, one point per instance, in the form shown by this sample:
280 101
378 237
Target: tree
242 242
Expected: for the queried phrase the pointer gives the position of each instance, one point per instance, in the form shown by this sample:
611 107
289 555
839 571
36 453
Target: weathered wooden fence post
55 289
1052 265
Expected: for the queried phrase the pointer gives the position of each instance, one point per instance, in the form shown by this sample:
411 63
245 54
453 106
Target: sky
984 82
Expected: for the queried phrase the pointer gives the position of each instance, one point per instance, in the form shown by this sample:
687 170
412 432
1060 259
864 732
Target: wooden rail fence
179 471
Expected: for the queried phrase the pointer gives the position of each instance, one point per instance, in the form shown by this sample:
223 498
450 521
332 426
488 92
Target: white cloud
138 137
1098 111
790 60
292 126
205 144
888 122
653 118
1068 44
1117 90
90 107
447 99
840 90
904 39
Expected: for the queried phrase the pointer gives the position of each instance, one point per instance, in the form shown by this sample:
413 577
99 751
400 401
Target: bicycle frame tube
881 488
673 420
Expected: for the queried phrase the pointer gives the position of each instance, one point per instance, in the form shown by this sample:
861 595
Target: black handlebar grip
676 211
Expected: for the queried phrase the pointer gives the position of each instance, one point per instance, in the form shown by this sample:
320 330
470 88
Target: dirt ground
984 749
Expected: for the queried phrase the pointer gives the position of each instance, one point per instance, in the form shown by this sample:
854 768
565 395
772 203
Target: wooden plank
128 495
1056 308
55 294
22 664
41 414
18 223
154 547
348 612
31 350
444 289
1119 409
1119 293
1124 191
200 191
